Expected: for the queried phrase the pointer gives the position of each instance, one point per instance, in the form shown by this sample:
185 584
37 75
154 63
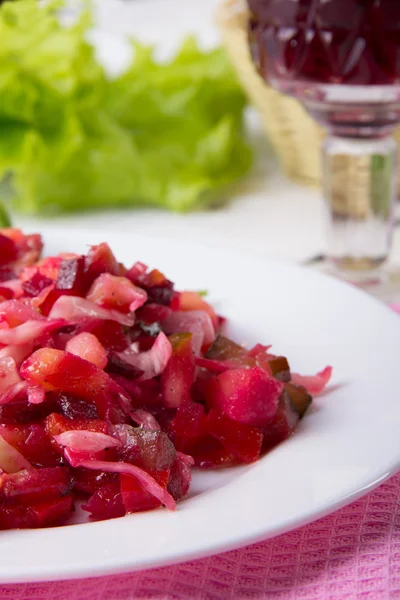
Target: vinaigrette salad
114 386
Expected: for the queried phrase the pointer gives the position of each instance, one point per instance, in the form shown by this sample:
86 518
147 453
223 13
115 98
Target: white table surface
268 215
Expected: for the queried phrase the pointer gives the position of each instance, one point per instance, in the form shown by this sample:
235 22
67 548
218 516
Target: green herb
167 135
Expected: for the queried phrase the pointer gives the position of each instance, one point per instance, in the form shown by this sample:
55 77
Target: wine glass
341 59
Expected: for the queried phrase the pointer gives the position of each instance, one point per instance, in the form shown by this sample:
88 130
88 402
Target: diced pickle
280 368
299 396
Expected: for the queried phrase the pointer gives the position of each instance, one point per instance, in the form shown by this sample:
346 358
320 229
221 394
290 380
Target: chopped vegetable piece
179 373
243 441
300 398
247 395
314 384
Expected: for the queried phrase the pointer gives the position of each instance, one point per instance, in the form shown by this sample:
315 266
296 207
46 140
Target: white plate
345 446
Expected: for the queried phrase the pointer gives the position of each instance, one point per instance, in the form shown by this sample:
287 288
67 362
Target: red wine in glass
341 59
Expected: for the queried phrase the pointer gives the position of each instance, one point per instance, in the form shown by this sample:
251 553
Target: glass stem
359 186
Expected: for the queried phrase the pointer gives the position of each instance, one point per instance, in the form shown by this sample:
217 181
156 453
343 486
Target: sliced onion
185 458
13 392
88 442
146 480
109 289
196 322
75 309
145 419
15 312
15 285
36 394
18 353
314 384
29 331
152 362
8 373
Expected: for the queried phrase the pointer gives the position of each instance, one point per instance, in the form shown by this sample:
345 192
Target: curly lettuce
163 134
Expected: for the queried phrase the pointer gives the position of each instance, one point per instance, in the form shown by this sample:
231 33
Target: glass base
382 282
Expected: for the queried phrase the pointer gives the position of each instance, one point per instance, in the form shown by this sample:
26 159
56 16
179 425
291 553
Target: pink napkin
353 554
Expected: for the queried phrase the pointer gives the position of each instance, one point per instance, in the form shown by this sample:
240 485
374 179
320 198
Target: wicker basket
294 135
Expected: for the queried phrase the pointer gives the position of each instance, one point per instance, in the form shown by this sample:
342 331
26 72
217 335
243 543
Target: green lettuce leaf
163 134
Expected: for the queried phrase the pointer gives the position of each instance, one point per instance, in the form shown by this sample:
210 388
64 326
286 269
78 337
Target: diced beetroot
145 342
160 295
188 427
180 476
154 278
61 371
8 375
15 286
48 297
283 425
41 514
106 502
115 292
33 443
52 512
8 250
137 499
153 313
193 301
136 271
247 395
20 411
111 335
241 440
72 407
5 294
71 275
89 481
178 375
36 284
144 394
100 259
34 485
7 273
209 453
48 267
149 450
223 349
56 424
87 346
